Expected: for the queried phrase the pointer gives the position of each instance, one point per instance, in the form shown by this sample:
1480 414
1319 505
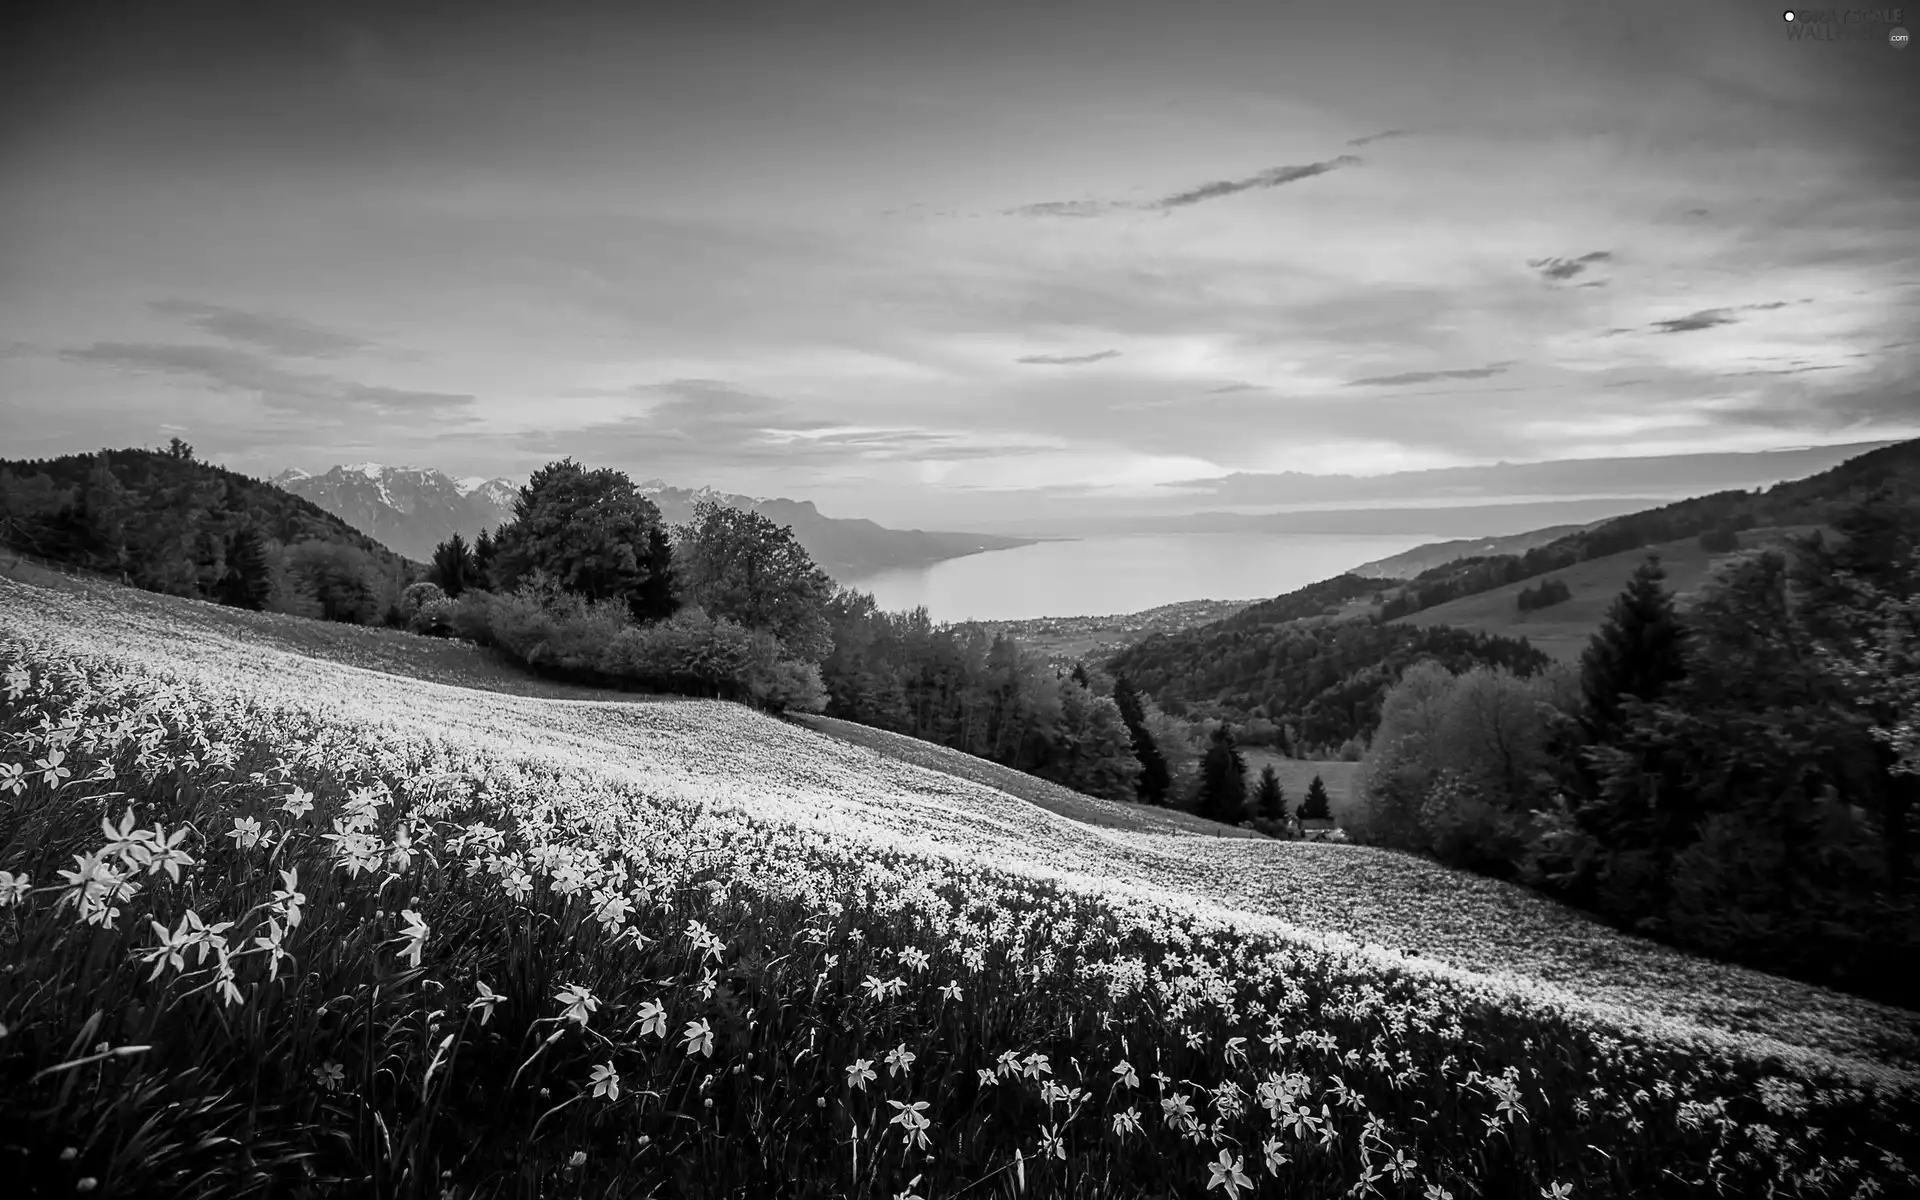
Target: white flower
1227 1173
579 1003
699 1038
485 1001
860 1073
653 1018
606 1081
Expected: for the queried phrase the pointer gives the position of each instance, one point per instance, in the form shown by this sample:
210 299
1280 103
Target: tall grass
253 945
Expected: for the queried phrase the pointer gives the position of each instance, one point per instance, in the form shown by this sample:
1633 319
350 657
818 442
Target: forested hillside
1893 471
164 521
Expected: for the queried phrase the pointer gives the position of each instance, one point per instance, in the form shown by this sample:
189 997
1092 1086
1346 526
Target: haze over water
1121 574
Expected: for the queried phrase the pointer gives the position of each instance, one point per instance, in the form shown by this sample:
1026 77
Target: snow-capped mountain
409 509
413 509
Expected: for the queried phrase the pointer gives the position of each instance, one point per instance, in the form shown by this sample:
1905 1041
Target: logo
1846 25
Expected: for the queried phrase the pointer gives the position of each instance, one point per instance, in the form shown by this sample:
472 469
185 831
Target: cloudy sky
920 263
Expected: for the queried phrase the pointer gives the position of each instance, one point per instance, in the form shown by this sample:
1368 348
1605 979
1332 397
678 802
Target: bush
1546 594
1723 540
697 654
418 596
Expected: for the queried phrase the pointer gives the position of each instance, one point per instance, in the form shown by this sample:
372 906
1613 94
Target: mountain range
414 509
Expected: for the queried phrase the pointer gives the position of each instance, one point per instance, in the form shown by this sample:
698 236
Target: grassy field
571 946
1563 630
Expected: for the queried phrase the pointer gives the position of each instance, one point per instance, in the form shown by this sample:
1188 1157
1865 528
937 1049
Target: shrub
1723 540
1546 594
417 596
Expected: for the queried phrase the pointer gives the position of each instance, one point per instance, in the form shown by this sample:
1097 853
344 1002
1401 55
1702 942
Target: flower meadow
270 925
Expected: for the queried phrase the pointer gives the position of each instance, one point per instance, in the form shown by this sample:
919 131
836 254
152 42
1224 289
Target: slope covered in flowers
273 921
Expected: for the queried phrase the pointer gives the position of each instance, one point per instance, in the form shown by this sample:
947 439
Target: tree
1222 794
1155 778
340 580
1270 800
179 449
1640 652
248 582
1316 807
485 554
739 564
453 566
589 530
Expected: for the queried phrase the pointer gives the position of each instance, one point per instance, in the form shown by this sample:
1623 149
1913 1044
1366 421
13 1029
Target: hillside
728 758
1438 554
1563 630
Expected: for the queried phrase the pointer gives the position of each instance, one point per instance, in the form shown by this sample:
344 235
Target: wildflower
1008 1063
876 988
915 958
1234 1050
900 1060
606 1081
653 1018
1177 1109
909 1194
1035 1065
52 770
14 888
271 944
1227 1173
1556 1191
1052 1145
860 1073
1436 1192
331 1075
164 853
518 885
298 803
951 991
913 1122
13 778
1126 1122
1275 1159
699 1038
485 1001
245 832
415 935
1126 1073
579 1003
577 1160
1401 1166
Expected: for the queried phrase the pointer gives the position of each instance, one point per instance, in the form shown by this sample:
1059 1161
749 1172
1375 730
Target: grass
754 909
1563 630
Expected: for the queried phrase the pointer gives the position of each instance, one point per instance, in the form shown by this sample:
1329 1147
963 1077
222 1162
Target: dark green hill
166 522
1273 665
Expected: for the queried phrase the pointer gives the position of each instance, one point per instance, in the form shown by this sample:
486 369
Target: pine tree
1640 651
1315 807
1222 794
248 581
453 565
1155 778
1270 800
485 550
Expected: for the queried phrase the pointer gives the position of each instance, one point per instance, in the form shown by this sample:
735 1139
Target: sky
924 263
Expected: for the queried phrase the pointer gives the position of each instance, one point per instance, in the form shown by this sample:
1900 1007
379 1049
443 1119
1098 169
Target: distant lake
1094 576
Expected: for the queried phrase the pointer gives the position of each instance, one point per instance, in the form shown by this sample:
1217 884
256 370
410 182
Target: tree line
1739 779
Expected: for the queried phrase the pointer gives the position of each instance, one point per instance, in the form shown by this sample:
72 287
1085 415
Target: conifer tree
1270 799
1155 778
248 581
1222 793
1315 807
1640 652
453 565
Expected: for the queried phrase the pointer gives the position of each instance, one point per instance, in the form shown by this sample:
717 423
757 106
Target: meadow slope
709 753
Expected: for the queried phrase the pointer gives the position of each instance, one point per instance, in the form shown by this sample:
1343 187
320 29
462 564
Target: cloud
225 369
1230 388
284 336
1555 269
1379 137
1067 360
1706 318
1272 177
1491 369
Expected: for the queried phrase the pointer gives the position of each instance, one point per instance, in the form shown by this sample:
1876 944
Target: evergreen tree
485 551
453 565
1155 777
248 582
1222 792
1315 806
1640 652
1270 800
